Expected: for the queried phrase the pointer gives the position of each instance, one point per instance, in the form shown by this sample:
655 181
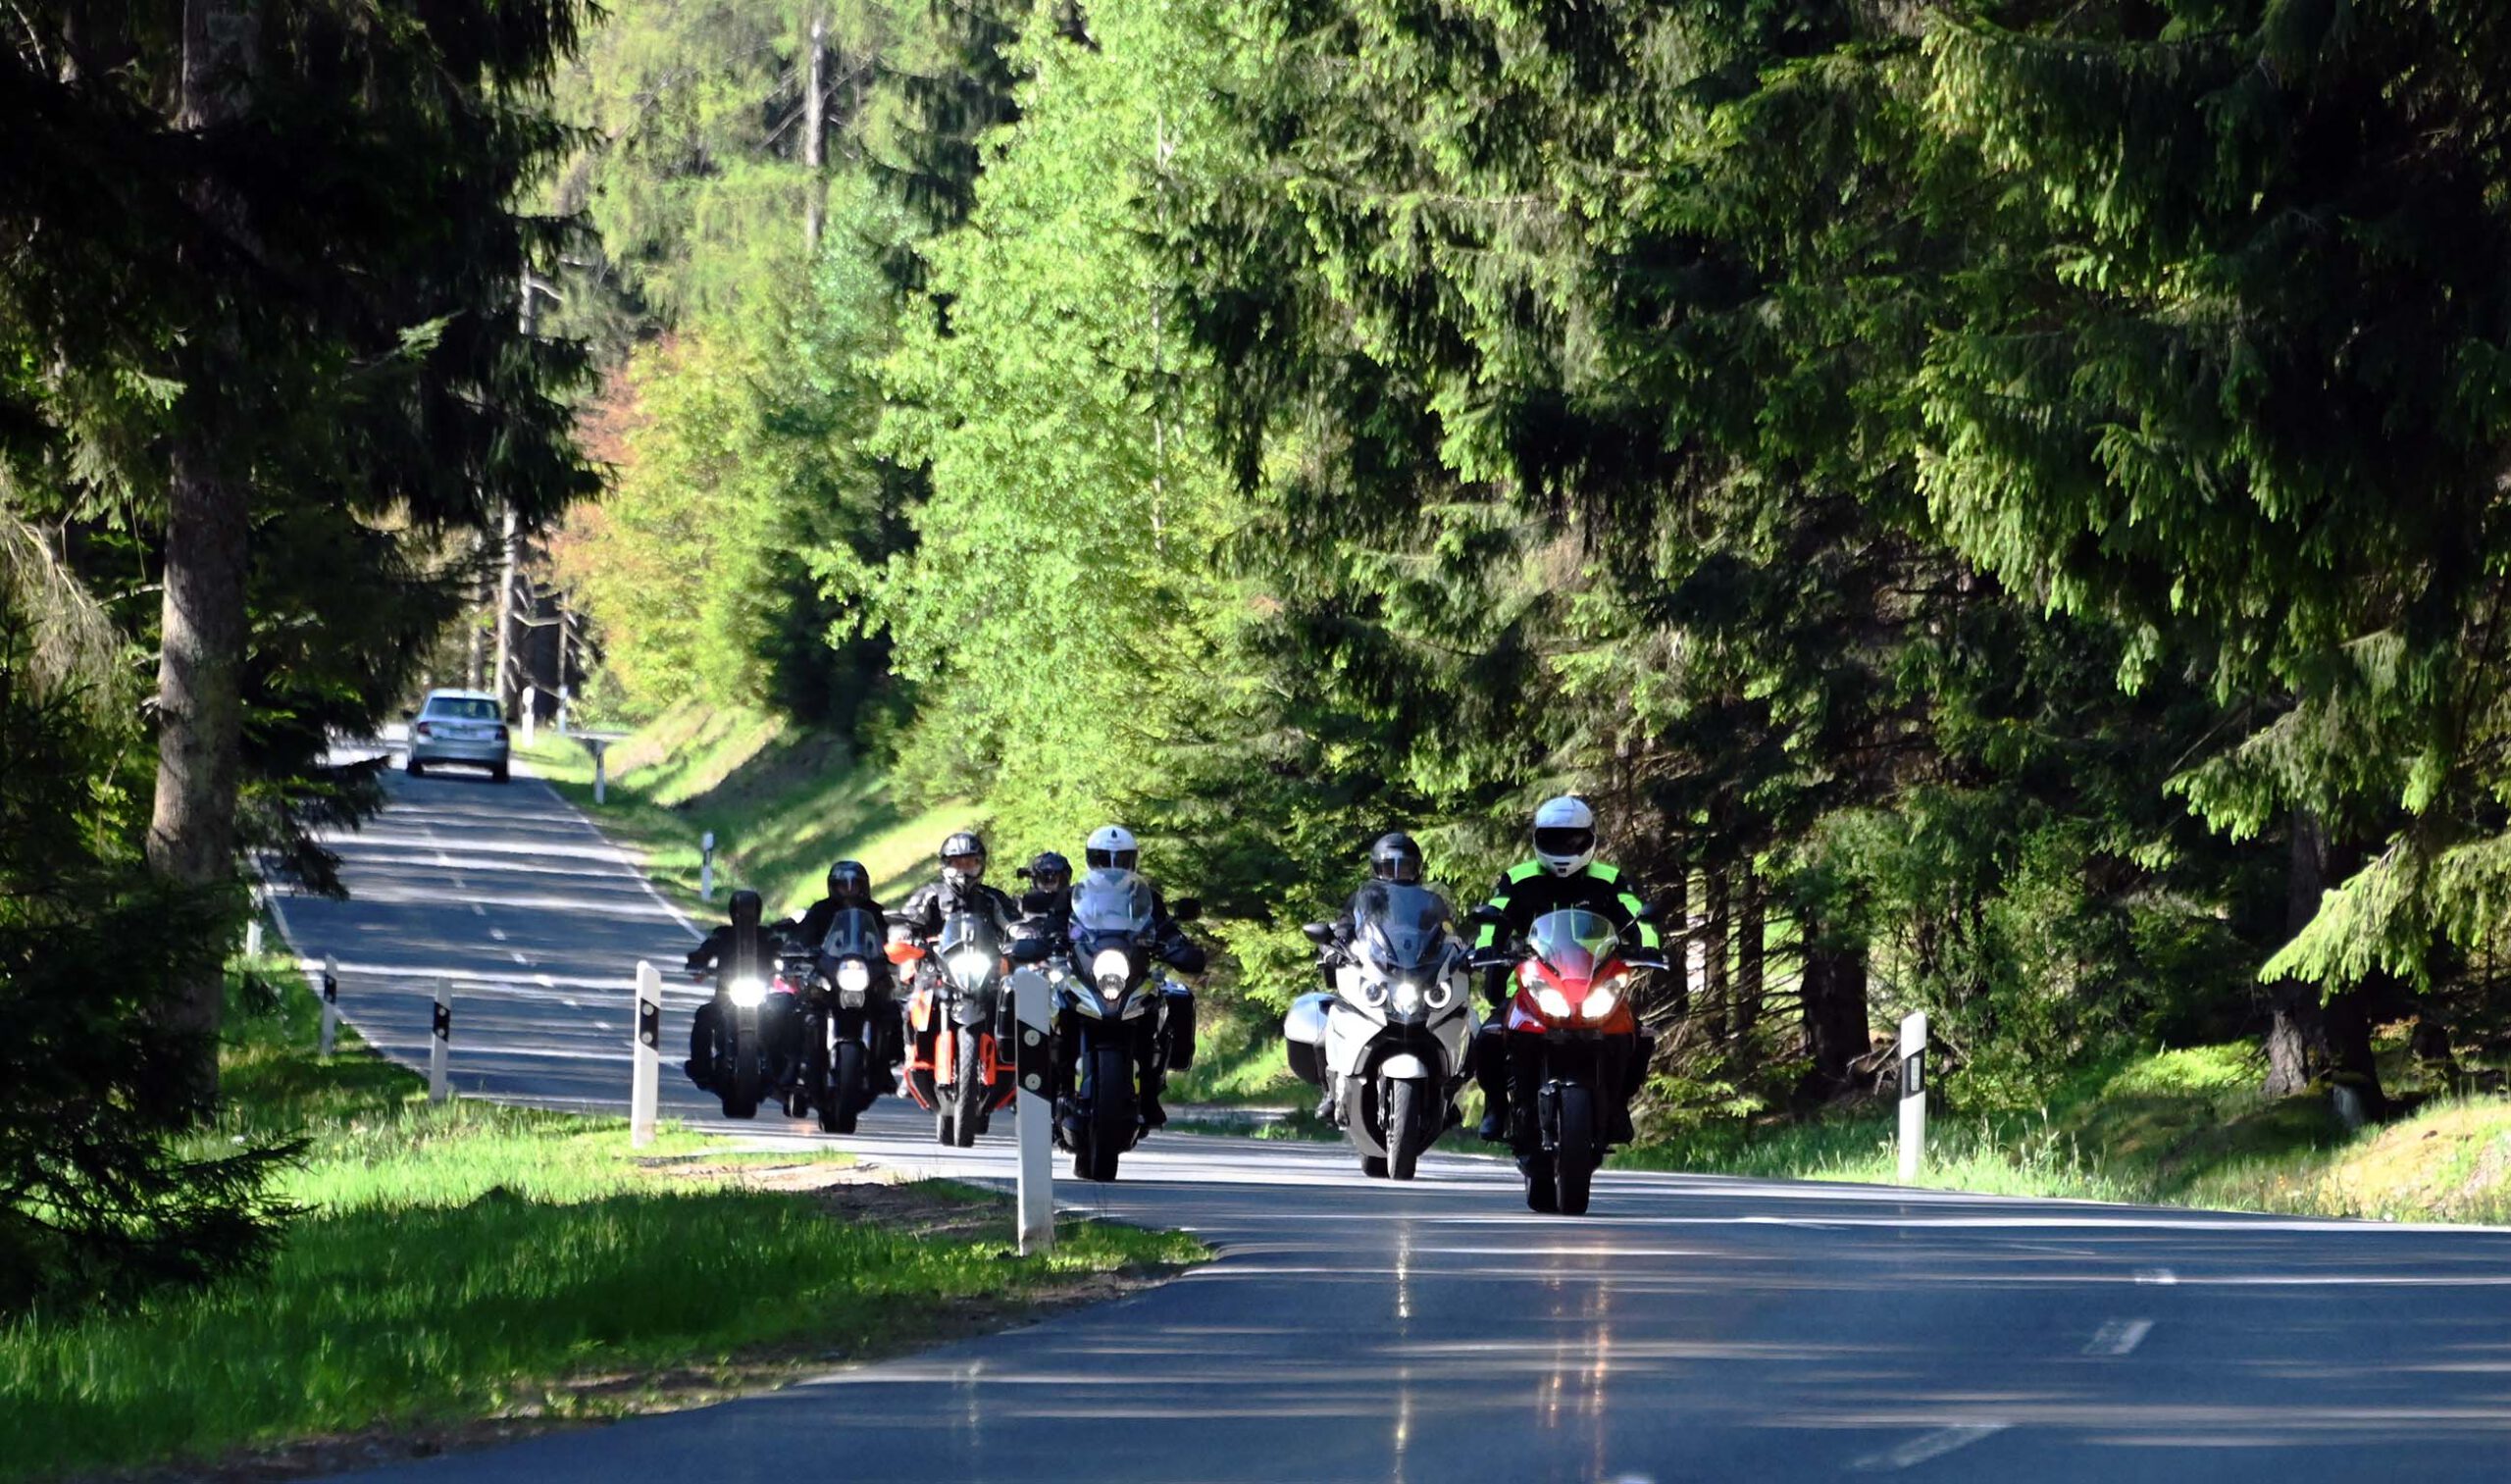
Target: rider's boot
1491 1074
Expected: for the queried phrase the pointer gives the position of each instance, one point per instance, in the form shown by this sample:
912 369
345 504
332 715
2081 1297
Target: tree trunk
1715 1000
504 608
204 625
1833 996
1678 915
2298 1049
1749 951
815 135
200 721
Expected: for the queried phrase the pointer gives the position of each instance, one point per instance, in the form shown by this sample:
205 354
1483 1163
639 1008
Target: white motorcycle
1389 1043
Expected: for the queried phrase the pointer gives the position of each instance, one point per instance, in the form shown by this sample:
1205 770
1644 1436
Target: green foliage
101 1198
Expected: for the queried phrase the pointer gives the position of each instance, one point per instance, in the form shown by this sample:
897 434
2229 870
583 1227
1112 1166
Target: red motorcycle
954 1061
1572 1008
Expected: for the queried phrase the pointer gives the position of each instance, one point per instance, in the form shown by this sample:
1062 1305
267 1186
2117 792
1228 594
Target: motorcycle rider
1046 907
742 946
1112 847
961 888
1395 859
1565 873
849 886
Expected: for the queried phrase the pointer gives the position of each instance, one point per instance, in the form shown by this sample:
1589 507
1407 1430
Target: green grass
472 1261
784 803
2187 1127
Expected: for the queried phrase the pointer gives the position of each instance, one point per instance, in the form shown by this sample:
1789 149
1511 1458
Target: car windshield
1111 901
1404 927
853 933
462 708
1573 943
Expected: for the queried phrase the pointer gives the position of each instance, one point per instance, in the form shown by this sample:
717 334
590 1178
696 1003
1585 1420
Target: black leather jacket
812 928
921 915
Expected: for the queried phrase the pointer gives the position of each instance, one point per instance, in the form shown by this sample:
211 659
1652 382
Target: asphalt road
1692 1328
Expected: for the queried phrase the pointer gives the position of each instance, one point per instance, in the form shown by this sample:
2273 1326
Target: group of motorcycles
816 1037
1392 1043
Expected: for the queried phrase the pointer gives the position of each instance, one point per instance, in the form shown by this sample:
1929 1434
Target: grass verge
466 1271
2184 1127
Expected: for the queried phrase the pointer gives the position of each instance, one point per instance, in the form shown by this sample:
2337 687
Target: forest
1999 504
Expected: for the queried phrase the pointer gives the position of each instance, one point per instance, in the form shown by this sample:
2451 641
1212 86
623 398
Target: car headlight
1601 1002
1111 963
749 994
1407 997
853 976
1552 1001
969 964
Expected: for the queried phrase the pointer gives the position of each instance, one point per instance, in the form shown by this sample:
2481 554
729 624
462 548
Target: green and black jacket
1528 892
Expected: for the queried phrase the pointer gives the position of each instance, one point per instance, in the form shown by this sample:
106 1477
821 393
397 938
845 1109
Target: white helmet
1112 848
1565 835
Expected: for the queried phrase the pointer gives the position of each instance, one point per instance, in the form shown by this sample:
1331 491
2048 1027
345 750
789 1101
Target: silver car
459 727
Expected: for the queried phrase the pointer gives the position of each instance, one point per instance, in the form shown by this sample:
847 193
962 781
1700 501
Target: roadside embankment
468 1272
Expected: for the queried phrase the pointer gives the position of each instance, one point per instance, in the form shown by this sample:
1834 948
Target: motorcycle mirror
1647 912
1319 933
1020 871
1186 909
904 952
1485 915
1030 950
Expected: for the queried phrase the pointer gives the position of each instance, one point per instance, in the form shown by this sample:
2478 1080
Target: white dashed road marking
2119 1337
1926 1446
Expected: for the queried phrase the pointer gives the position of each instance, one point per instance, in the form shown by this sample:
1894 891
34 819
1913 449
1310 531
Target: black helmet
746 908
847 881
962 860
1395 857
1048 872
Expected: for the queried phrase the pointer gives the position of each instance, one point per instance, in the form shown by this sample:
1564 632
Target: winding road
1692 1328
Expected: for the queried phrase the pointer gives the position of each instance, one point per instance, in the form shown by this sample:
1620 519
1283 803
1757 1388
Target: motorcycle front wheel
1575 1154
967 1099
740 1089
1111 1112
845 1089
1399 1105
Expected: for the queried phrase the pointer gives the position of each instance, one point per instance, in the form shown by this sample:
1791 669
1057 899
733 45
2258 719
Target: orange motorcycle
955 1061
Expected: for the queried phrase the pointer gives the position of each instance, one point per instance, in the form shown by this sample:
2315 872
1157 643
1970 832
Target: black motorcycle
1115 1012
852 1009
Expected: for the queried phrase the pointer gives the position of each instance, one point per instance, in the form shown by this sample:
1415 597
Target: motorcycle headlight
1111 964
969 966
853 976
749 994
1440 995
1602 998
1552 1001
851 999
1407 997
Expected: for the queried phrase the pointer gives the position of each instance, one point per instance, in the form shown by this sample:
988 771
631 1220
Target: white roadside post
1032 1060
331 1004
1913 1095
644 1084
706 866
531 706
600 777
440 1044
253 923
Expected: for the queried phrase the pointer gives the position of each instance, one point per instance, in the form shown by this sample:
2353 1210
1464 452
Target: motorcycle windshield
853 933
1573 943
1110 901
1403 928
967 932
